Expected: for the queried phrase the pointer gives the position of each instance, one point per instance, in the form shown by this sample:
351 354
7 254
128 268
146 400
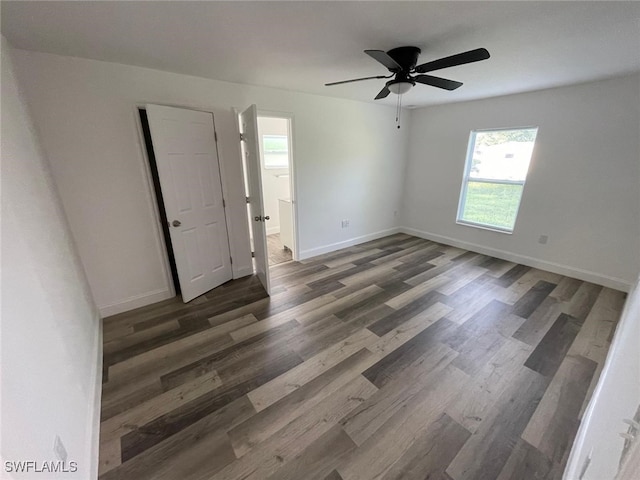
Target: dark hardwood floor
396 359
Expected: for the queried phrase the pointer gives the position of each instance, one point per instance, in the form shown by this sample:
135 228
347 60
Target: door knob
257 219
176 223
267 217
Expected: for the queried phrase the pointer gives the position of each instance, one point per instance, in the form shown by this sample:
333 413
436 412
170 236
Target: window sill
484 227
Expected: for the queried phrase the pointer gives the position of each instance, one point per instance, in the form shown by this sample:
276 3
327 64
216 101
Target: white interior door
251 151
187 159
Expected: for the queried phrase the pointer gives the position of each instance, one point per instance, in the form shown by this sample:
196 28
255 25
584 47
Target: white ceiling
302 45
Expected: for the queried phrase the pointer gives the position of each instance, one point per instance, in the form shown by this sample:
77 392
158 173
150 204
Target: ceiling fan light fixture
400 87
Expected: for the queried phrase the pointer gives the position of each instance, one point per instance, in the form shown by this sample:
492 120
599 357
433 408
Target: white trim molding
312 252
136 301
93 420
580 274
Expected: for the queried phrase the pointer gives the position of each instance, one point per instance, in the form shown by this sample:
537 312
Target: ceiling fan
401 62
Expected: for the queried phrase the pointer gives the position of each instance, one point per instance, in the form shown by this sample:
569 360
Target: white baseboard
134 302
272 230
93 420
312 252
580 274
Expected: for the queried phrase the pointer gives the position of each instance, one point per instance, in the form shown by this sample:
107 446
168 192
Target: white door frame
292 175
152 200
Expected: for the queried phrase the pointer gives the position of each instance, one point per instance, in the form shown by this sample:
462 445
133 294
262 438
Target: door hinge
242 137
253 254
224 204
215 135
231 260
247 199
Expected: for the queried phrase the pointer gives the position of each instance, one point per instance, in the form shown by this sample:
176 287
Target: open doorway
276 174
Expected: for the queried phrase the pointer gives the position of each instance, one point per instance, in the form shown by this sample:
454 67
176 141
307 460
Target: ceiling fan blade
437 82
384 59
459 59
384 93
354 80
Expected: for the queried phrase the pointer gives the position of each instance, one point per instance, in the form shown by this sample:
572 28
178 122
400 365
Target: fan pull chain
399 110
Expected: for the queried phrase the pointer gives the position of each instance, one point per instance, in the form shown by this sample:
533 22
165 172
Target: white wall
349 164
51 335
617 397
583 187
275 181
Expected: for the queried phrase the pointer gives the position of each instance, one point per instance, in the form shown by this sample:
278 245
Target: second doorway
276 162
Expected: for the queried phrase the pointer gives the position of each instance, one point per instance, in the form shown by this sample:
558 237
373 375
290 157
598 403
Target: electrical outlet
59 450
543 239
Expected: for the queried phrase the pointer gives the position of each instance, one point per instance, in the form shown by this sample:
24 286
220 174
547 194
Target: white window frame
466 178
264 153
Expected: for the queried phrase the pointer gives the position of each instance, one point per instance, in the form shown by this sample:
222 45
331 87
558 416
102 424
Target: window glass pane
492 204
276 151
502 154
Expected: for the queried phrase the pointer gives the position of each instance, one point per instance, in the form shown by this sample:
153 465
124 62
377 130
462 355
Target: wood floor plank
566 288
556 420
553 347
129 397
367 277
334 264
399 316
322 335
318 460
512 275
498 267
528 303
526 462
164 460
488 385
396 362
124 341
269 420
539 322
374 457
334 475
366 420
431 453
177 346
119 425
110 456
486 452
460 281
286 444
592 341
282 304
281 318
409 329
229 361
154 432
594 338
582 301
293 379
338 304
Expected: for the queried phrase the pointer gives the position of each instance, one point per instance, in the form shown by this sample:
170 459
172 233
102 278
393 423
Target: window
494 176
276 151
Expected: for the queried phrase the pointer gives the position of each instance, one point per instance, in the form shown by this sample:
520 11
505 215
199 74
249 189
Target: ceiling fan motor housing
406 57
